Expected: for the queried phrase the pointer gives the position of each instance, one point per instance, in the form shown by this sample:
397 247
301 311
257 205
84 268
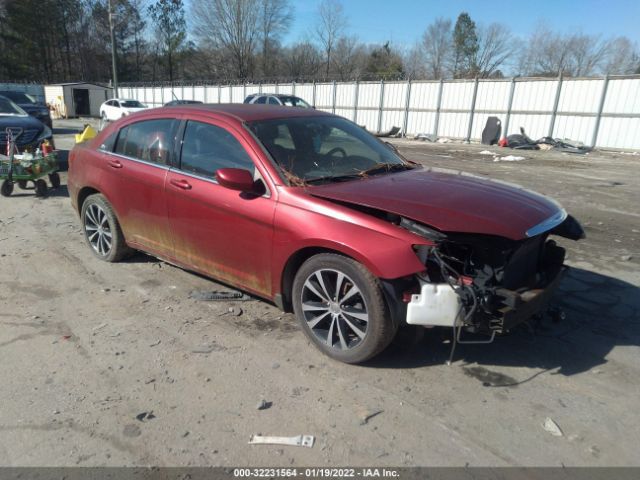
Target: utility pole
114 67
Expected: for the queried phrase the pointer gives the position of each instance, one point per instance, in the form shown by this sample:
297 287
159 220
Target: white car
118 107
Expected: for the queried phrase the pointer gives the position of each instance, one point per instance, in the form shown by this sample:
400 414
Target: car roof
250 112
277 95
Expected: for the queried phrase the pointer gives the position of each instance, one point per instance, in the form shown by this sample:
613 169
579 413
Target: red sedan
308 210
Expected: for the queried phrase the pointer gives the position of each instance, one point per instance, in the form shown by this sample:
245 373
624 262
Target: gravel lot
86 347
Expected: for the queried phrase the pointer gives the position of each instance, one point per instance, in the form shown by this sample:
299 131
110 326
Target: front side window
206 148
261 100
150 140
273 101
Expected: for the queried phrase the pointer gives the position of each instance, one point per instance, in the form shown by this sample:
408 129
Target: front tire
102 231
341 308
7 188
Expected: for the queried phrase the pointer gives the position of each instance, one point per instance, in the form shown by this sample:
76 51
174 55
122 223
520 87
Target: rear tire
102 231
7 188
41 188
341 308
54 178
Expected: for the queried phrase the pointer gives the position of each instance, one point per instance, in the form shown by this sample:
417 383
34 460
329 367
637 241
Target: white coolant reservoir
436 305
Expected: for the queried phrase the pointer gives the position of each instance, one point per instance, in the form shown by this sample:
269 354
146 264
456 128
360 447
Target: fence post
406 109
314 94
509 106
473 110
355 101
277 87
219 93
380 105
436 121
244 91
260 87
556 101
293 88
333 107
603 97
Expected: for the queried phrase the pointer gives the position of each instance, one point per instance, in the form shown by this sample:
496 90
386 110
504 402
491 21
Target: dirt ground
88 349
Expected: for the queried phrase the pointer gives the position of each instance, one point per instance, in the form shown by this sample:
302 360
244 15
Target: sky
403 21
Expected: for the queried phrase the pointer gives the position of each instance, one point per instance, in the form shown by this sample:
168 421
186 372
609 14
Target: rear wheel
102 230
41 188
341 308
54 178
7 188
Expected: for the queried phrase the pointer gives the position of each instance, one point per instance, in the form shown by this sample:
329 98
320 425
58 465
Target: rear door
223 233
136 171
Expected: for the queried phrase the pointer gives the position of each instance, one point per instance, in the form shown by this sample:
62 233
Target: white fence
603 112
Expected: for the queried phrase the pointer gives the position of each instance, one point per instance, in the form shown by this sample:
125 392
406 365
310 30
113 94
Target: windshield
131 104
18 97
294 102
7 107
325 149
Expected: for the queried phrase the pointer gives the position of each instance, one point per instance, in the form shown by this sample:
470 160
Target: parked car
173 103
29 105
34 132
117 108
276 99
308 210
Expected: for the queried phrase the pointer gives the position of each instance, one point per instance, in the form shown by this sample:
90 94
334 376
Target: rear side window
207 148
273 101
151 141
109 142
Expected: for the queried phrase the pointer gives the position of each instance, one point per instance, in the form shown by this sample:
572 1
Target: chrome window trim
548 224
151 164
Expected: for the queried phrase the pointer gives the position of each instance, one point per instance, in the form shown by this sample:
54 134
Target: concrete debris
297 441
145 416
508 158
487 152
263 405
444 140
429 137
235 311
552 427
626 258
222 295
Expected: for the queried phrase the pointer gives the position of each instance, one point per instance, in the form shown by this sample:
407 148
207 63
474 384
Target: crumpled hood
447 201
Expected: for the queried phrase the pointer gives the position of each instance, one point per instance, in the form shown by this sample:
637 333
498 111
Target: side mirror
236 179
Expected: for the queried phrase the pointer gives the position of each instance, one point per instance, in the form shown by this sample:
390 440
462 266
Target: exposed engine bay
498 282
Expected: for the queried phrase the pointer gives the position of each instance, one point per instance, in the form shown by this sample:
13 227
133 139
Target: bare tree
438 48
348 58
331 25
623 57
588 53
302 60
275 17
415 62
232 25
495 48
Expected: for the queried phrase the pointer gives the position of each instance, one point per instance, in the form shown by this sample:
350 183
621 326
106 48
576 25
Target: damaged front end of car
485 284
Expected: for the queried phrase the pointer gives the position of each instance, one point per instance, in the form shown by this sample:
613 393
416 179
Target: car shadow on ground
601 313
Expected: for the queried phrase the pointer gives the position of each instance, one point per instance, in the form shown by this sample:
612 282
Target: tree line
243 40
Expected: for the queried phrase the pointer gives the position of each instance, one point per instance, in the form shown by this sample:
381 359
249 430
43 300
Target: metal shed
77 99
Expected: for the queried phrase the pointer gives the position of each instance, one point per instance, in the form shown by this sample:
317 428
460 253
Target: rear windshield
7 107
18 97
294 102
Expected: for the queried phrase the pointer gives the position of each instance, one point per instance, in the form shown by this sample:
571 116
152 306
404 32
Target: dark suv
29 105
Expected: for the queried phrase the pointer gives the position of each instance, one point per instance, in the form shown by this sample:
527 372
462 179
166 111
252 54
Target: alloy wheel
98 229
334 309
